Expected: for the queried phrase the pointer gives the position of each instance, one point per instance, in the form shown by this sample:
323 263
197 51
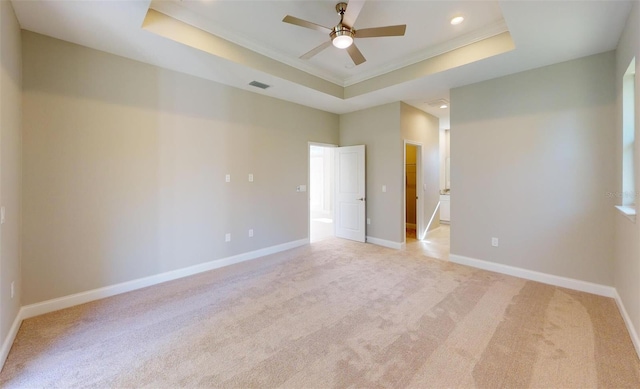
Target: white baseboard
569 283
385 243
11 336
627 321
112 290
96 294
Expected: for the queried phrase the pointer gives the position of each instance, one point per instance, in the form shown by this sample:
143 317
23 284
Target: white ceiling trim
488 31
186 34
541 29
171 9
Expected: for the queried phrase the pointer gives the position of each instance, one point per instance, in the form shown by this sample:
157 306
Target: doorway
321 192
412 184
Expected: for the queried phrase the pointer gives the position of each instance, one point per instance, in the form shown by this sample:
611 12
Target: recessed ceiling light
443 106
438 103
457 20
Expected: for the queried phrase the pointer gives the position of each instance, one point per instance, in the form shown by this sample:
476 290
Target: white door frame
309 144
419 191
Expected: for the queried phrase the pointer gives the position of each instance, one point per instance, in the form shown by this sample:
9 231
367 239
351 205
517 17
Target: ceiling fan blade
353 10
355 54
303 23
316 50
381 31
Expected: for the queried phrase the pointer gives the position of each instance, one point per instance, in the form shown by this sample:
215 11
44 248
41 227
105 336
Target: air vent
259 85
438 103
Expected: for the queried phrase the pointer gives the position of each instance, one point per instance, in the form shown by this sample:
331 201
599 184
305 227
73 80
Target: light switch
227 178
301 188
250 177
384 188
227 237
251 233
1 215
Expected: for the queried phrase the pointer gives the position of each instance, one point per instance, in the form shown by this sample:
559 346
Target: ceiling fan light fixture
342 41
341 37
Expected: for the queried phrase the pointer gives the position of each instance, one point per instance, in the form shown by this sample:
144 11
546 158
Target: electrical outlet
227 237
250 177
227 178
13 288
1 215
251 233
384 188
368 221
494 242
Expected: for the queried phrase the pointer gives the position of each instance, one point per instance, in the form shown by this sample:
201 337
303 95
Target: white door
350 193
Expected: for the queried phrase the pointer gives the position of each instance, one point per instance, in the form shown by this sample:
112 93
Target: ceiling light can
457 20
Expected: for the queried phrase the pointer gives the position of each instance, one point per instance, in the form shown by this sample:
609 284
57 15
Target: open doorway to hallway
413 203
321 191
411 192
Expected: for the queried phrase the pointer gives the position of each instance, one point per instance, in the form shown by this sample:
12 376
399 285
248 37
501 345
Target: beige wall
383 130
378 129
421 127
532 165
10 173
124 167
627 233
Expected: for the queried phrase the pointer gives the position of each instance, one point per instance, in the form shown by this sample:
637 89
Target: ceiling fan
343 34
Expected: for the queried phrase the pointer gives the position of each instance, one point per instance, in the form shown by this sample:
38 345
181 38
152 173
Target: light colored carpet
333 314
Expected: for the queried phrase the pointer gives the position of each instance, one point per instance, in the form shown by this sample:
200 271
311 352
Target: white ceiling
544 32
257 25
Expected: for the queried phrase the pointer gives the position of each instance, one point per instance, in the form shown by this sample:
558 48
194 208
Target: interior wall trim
545 278
385 243
635 339
565 282
56 304
96 294
112 290
11 336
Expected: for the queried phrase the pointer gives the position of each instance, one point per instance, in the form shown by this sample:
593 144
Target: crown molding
488 31
198 21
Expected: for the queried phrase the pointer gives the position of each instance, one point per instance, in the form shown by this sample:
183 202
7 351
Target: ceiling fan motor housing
341 30
342 36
